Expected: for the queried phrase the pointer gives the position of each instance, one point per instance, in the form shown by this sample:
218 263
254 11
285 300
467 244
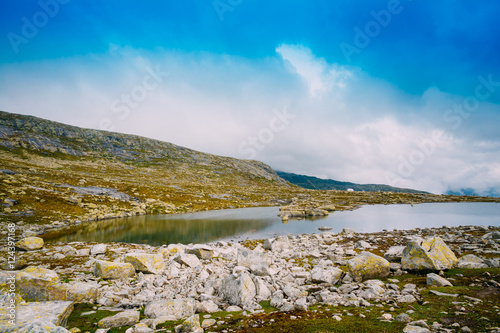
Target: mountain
329 184
53 175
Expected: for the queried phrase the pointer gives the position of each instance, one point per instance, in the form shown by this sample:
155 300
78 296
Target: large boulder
171 309
428 254
124 318
37 284
113 270
146 263
247 258
30 243
239 290
367 266
326 274
37 314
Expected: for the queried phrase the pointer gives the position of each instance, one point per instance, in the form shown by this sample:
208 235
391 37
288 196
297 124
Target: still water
263 222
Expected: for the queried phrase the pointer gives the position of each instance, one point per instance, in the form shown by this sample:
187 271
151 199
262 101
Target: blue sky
368 86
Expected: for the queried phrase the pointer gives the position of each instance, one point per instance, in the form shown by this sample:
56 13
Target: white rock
437 281
98 249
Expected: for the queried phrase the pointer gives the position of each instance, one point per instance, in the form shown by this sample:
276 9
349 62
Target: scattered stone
190 260
326 274
435 292
125 318
113 270
171 309
190 325
33 316
437 281
146 263
248 258
471 261
238 291
30 243
394 253
403 317
201 251
82 292
98 249
208 323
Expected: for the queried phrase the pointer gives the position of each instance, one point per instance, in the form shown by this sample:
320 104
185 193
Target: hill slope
329 184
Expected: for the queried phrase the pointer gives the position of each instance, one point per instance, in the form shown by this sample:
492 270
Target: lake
263 222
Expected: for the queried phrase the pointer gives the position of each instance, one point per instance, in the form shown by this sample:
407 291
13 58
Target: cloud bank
293 110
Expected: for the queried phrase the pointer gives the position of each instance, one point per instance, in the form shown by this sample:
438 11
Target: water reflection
263 222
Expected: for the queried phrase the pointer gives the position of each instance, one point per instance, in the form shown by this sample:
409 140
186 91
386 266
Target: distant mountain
330 184
472 192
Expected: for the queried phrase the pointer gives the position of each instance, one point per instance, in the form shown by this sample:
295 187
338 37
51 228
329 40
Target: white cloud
346 126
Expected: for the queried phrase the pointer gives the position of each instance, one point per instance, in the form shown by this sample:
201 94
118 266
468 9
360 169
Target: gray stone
30 243
189 260
82 292
248 258
415 329
238 291
98 249
113 270
33 314
190 325
437 281
471 261
326 274
171 309
207 307
204 252
125 318
394 253
146 263
403 317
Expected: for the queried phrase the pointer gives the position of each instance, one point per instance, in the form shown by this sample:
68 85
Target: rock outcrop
428 254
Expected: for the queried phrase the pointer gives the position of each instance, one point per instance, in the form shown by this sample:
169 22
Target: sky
405 93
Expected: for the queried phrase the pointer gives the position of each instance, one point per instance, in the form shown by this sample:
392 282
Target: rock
208 323
113 270
125 318
207 307
324 228
348 231
403 317
394 253
415 329
31 315
362 245
36 284
17 265
277 244
82 292
189 260
238 290
30 243
260 270
437 293
326 274
201 251
492 262
233 308
368 266
471 261
247 258
98 249
431 253
437 281
190 325
146 263
140 328
170 309
301 304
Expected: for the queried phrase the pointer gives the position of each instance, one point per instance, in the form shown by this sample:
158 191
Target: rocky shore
420 280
